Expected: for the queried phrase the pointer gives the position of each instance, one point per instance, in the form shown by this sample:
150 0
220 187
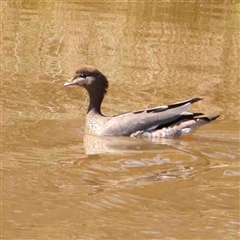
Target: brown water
58 183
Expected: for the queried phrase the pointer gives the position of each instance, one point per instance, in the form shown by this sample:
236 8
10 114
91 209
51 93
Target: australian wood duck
170 121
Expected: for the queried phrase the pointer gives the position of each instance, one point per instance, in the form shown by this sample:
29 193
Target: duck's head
90 78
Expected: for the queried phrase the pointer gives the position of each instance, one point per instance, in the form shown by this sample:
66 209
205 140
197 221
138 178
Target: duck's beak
69 82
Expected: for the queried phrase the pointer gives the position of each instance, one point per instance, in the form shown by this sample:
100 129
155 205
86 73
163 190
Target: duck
167 121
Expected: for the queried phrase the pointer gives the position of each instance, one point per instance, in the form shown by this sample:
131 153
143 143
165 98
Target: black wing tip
211 118
193 100
197 114
179 104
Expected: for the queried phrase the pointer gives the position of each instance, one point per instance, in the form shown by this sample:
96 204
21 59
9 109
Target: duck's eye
83 75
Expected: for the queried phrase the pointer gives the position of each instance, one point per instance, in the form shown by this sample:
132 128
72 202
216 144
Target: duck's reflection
98 144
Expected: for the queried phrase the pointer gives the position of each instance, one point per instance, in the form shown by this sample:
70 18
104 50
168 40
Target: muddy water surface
57 182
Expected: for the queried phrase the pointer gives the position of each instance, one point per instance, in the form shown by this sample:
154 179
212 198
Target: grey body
172 120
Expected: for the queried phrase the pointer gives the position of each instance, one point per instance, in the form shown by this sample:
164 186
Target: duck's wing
146 119
163 108
184 126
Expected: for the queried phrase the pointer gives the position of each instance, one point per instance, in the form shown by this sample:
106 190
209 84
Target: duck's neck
95 99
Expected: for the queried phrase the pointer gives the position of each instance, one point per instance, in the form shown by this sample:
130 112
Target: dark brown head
90 78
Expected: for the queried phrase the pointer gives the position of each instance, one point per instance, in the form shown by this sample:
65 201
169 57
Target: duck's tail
182 128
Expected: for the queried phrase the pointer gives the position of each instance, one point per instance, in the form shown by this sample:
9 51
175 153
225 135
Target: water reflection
98 144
